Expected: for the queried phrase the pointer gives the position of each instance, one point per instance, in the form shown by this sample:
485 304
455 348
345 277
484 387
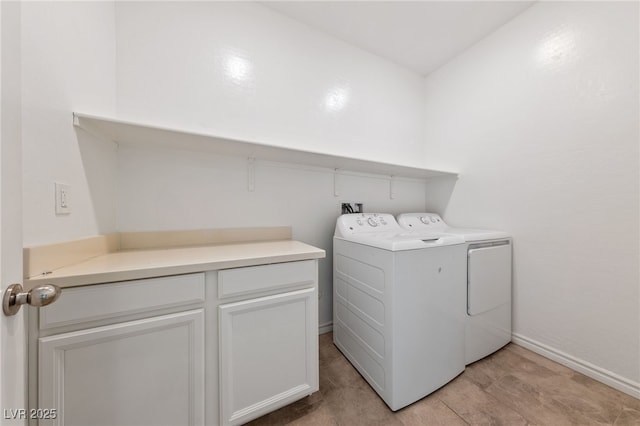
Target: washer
488 272
398 305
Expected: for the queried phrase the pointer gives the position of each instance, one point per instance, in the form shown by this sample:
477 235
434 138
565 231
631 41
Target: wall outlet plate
63 201
347 207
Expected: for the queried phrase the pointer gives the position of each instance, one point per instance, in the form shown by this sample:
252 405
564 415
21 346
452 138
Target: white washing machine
488 286
398 305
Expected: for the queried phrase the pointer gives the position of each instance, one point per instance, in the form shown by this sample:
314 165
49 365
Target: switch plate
63 205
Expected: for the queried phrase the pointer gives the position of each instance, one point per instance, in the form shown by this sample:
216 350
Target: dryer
398 305
488 282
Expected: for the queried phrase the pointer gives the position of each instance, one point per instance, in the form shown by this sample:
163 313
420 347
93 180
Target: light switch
63 201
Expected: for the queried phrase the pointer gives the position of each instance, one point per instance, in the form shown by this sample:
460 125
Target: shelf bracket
392 187
251 174
337 181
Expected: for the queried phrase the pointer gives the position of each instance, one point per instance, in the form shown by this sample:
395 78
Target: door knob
41 295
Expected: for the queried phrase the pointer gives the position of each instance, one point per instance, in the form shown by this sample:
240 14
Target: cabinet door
268 354
146 372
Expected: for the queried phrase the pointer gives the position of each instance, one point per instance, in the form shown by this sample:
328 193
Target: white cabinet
221 347
268 353
128 353
145 372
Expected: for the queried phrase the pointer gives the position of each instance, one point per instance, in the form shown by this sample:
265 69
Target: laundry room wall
68 64
240 70
541 120
175 189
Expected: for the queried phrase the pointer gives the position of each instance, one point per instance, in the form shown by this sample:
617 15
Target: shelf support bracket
337 181
392 187
251 174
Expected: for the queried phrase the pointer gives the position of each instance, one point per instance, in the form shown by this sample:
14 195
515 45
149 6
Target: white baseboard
597 373
325 328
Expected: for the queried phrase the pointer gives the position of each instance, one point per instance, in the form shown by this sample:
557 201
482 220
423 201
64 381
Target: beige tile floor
514 386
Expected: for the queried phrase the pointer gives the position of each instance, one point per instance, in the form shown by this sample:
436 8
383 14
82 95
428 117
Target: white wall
541 120
241 70
68 63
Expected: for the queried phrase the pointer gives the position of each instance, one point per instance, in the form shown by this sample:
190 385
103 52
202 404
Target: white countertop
137 264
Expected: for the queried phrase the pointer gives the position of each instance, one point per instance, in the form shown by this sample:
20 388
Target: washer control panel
366 223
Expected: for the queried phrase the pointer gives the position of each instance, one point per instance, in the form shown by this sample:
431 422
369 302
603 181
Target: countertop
147 263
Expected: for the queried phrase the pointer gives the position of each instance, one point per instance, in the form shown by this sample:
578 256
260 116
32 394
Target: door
489 277
144 372
268 353
12 329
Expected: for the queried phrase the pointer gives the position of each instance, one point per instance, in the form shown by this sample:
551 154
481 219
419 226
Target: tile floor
514 386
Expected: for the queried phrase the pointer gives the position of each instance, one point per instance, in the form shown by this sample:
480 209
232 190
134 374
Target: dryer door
489 277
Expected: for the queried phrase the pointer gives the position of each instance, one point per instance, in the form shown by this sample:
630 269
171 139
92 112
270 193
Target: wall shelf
128 133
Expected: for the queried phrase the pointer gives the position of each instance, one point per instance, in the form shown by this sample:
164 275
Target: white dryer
488 286
398 305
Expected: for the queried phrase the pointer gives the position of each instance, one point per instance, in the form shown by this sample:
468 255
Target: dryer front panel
489 276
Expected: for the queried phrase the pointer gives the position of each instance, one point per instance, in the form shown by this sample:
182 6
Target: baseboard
327 327
597 373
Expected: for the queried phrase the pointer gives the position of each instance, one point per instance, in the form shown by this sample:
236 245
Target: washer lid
399 242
